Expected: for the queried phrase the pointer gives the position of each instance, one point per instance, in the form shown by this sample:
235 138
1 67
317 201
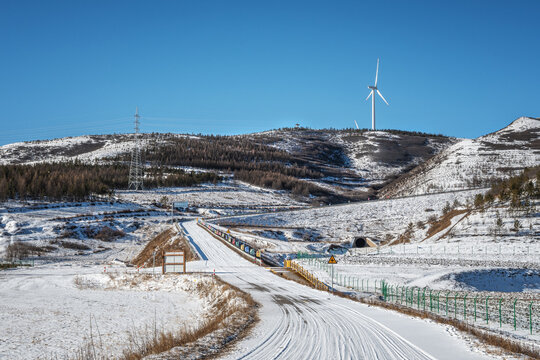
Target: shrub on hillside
108 234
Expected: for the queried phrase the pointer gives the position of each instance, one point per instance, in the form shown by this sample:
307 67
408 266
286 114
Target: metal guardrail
514 311
241 245
450 249
300 270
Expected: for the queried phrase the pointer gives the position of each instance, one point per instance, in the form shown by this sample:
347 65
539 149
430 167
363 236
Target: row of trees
279 181
227 153
76 181
519 190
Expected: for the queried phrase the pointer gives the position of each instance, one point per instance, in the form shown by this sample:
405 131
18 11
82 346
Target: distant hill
471 163
362 159
328 165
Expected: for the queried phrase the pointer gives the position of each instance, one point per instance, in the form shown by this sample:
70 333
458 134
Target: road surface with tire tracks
298 322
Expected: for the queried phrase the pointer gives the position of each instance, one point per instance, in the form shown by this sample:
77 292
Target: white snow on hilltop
473 163
84 148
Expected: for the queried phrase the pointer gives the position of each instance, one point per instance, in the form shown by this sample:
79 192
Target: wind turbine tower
136 167
372 94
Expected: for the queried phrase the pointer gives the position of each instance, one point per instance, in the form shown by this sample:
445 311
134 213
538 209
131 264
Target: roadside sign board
183 205
332 260
174 262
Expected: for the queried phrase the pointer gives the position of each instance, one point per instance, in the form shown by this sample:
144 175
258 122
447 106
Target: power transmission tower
136 167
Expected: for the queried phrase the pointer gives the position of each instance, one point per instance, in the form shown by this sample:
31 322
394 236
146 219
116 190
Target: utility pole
332 277
136 167
154 263
332 261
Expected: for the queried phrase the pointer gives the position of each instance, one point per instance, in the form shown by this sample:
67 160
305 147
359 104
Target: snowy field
55 310
225 198
341 224
64 230
69 286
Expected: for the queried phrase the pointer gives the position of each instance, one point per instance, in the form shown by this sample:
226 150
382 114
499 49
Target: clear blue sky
461 68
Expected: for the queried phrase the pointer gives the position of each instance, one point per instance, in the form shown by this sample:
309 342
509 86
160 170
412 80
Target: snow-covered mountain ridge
354 163
472 163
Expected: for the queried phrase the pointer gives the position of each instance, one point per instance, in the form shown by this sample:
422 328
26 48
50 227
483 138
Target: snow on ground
298 322
480 225
86 148
362 150
47 313
70 229
474 162
499 280
481 282
380 219
222 198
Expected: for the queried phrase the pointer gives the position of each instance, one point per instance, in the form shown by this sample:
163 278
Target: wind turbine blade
370 93
382 97
377 73
356 124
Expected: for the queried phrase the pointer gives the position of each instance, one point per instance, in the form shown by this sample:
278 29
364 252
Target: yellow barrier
306 275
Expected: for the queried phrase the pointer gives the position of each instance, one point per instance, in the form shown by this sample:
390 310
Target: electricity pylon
136 167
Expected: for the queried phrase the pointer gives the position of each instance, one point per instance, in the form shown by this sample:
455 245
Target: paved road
297 322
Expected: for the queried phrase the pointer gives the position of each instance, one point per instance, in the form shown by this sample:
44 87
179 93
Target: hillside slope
360 159
473 163
340 165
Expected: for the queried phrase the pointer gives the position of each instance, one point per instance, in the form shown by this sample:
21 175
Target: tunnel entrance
360 242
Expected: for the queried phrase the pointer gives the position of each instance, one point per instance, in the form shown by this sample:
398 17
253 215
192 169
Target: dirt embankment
444 222
168 240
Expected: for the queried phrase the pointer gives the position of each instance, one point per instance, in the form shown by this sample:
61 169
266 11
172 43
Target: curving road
298 322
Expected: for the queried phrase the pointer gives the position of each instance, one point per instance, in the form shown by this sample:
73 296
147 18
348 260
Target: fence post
447 302
530 317
430 301
487 310
500 312
438 301
406 295
475 308
362 284
424 298
455 306
465 307
515 301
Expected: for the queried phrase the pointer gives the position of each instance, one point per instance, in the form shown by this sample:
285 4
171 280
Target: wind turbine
372 94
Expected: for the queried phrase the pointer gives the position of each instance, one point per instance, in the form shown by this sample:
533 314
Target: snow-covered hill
362 159
84 148
472 163
354 164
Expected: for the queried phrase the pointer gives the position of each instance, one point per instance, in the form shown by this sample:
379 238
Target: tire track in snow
298 322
